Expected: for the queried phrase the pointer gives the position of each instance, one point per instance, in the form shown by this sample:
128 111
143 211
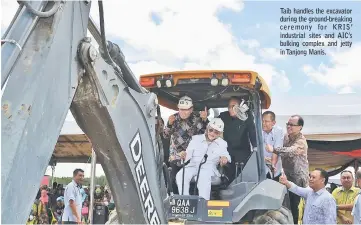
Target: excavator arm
57 68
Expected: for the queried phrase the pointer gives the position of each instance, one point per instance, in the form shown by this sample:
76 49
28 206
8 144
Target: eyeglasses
214 131
292 125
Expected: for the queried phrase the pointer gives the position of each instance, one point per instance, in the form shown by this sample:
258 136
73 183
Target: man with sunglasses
180 128
211 144
294 158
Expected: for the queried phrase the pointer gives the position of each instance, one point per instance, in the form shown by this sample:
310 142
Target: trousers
204 181
294 201
175 170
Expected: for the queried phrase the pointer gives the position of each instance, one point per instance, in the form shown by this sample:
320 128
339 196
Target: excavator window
215 98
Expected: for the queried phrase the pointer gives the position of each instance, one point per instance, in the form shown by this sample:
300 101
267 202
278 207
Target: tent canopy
334 141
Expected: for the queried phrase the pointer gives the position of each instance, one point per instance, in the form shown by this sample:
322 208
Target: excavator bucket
59 68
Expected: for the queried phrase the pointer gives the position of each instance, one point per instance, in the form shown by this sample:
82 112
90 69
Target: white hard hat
185 102
217 124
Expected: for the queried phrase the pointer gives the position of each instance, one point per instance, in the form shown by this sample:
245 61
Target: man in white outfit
215 147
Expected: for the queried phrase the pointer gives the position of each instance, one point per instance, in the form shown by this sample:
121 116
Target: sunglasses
214 131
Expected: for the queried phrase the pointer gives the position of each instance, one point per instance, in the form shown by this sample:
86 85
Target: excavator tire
280 216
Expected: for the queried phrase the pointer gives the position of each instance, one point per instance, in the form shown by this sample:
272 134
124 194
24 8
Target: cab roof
197 84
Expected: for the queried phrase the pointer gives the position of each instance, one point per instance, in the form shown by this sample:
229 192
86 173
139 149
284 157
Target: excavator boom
56 69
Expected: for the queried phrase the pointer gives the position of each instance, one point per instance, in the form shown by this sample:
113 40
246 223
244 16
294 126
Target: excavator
50 65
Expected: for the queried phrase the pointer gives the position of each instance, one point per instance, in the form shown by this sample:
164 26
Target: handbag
85 211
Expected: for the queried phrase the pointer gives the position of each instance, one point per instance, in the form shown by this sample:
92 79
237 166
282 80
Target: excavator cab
250 197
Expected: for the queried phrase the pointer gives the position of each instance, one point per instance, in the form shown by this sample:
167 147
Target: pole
52 176
92 186
356 168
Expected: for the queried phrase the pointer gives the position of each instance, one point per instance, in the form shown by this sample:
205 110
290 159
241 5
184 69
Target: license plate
183 208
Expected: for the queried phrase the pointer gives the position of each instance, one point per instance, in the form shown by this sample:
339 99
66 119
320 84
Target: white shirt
72 192
356 210
199 146
274 138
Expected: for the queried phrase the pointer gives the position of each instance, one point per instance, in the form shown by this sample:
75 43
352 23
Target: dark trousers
175 170
230 171
239 156
294 201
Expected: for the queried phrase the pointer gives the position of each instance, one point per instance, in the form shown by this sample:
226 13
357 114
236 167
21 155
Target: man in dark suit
239 135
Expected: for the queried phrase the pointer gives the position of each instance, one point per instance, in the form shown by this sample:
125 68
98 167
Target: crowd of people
230 140
55 205
344 200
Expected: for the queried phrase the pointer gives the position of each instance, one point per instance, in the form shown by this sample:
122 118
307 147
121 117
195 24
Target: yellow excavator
49 66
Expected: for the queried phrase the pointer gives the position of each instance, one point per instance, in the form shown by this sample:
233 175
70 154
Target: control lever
199 170
236 174
224 178
242 164
167 171
271 170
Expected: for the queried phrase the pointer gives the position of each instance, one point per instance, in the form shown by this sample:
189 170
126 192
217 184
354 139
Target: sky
167 35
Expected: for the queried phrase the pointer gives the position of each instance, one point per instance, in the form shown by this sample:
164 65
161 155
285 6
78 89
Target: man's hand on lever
273 168
268 161
223 160
182 155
